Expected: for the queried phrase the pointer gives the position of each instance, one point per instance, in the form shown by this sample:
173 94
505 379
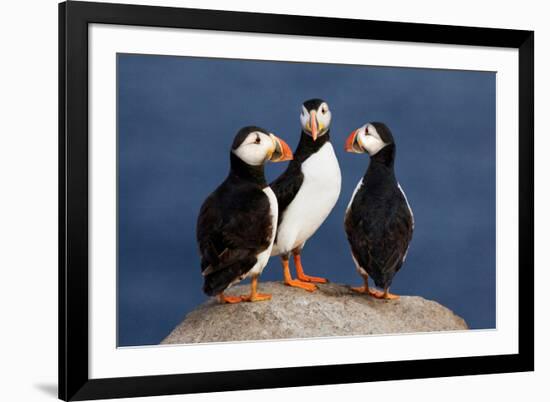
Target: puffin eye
324 109
257 141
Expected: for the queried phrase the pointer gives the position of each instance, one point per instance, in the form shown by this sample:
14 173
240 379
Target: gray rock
333 310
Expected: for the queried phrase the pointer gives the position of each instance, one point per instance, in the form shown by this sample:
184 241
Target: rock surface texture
333 310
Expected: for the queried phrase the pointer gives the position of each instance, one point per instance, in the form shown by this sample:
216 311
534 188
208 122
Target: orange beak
281 152
352 145
313 125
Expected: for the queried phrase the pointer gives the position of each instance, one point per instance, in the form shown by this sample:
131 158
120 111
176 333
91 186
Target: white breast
315 199
263 257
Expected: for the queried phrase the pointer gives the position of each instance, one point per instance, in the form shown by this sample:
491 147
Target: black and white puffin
237 223
307 191
379 221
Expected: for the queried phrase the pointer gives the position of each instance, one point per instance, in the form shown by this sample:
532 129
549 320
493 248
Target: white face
370 140
256 149
322 115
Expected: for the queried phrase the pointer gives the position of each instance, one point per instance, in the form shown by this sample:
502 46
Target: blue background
177 117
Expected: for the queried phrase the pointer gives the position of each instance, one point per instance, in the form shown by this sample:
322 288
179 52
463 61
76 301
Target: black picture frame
74 18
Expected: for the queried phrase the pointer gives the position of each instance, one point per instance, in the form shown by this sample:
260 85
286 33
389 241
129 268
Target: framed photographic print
256 200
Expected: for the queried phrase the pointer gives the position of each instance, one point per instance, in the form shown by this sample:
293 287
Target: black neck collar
243 171
382 163
386 156
307 146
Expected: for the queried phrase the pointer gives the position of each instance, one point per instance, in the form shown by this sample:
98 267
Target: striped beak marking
352 145
281 151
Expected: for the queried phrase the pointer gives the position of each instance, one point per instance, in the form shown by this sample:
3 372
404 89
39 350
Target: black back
228 242
378 223
286 186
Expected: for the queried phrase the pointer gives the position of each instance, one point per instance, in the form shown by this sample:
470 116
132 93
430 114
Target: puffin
237 223
379 221
306 191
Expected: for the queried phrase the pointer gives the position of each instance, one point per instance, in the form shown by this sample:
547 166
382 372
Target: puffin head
255 146
315 118
370 138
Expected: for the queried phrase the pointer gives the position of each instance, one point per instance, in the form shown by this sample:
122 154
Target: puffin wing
209 232
230 236
286 186
379 241
389 247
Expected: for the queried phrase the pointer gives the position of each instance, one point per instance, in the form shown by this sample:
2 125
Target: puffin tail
223 276
216 283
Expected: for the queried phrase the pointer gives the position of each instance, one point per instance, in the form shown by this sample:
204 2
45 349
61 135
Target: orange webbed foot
288 281
229 299
308 278
301 275
256 297
371 292
310 287
389 296
386 295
